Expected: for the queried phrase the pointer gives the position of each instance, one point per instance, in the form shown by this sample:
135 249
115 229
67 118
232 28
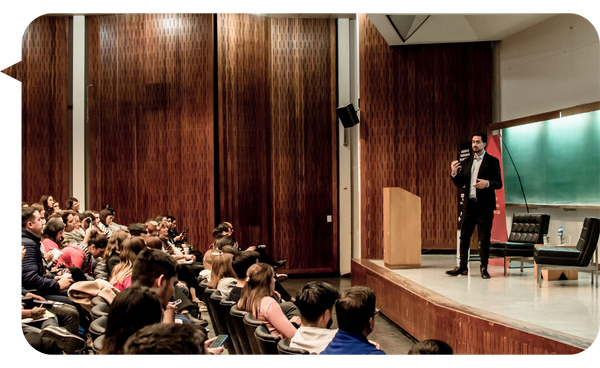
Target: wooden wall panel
43 72
277 134
418 103
151 118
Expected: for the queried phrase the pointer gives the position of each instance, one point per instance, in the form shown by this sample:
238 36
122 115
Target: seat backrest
219 320
266 341
99 311
251 323
225 306
209 306
283 346
588 240
529 228
237 316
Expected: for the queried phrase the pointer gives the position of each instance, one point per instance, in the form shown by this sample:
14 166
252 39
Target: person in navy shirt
355 311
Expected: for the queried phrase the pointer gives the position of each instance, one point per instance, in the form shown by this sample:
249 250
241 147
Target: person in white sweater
315 301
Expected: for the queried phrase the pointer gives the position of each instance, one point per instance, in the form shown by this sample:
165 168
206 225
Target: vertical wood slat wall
150 132
43 72
277 134
416 103
151 127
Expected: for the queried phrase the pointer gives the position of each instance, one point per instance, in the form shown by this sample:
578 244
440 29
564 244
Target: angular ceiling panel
407 29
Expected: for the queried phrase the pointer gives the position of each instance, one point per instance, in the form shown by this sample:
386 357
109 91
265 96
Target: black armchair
251 324
527 230
267 342
225 306
562 258
237 317
284 349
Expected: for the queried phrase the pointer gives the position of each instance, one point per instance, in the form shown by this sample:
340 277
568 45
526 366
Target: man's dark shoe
484 273
458 271
279 264
196 321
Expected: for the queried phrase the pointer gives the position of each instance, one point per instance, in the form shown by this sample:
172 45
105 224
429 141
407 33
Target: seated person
138 229
260 298
240 264
94 248
223 278
355 311
427 347
34 275
77 234
114 248
132 309
120 277
52 242
169 338
315 302
218 232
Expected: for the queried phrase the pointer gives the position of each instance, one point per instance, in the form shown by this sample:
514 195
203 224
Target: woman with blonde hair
121 274
260 298
223 276
113 248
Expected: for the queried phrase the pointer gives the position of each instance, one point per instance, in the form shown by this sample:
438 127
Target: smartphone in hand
219 341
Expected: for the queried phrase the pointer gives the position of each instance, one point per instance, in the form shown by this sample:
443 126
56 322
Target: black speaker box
347 115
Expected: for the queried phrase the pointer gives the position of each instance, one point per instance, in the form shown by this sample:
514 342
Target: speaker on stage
347 115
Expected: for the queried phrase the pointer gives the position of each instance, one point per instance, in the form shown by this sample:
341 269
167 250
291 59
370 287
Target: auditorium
183 171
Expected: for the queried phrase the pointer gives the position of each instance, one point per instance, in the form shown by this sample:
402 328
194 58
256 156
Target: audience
94 248
114 248
106 217
34 275
47 202
146 262
169 338
260 298
72 204
77 234
430 347
355 311
223 277
120 277
132 309
315 302
240 264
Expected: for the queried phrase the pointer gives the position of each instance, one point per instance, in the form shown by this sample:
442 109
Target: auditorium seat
527 230
563 258
233 335
267 343
237 317
283 346
218 320
251 324
98 327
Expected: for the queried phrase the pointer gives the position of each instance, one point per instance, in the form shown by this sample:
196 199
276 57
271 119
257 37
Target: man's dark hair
482 135
167 338
150 264
219 229
137 229
431 346
354 308
27 215
242 261
223 241
87 214
169 217
314 299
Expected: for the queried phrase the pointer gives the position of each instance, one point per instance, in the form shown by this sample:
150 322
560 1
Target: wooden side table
554 275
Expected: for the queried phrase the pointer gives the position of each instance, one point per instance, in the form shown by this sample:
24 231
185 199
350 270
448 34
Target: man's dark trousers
475 215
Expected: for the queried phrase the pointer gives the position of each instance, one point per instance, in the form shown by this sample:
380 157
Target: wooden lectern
401 229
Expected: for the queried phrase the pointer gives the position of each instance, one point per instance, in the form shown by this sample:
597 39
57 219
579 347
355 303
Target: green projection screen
558 161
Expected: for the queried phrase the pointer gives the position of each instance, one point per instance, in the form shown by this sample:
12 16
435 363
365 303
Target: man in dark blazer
481 176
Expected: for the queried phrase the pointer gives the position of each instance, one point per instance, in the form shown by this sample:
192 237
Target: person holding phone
481 176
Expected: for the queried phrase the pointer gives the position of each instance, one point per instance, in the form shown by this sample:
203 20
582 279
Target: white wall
547 67
552 65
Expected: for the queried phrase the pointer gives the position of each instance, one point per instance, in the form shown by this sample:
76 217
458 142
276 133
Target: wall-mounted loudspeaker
347 115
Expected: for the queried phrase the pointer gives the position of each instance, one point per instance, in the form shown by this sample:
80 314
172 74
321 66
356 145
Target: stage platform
502 315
